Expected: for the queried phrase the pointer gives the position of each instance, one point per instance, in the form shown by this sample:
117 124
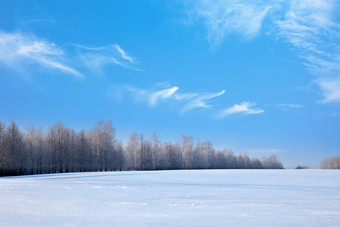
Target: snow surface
173 198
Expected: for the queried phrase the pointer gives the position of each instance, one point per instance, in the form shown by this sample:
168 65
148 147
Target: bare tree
57 141
272 163
132 152
32 149
5 157
330 163
61 149
186 151
142 152
102 138
155 146
120 156
147 153
255 164
43 154
84 157
16 149
242 161
201 155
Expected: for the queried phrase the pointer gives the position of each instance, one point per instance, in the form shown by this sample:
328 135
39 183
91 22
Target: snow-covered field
173 198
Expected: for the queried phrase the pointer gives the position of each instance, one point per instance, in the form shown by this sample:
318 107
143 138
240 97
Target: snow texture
173 198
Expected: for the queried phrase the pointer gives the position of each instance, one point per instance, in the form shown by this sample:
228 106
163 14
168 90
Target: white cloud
156 94
309 26
96 58
224 16
162 94
185 101
199 100
330 89
242 108
123 54
150 96
119 93
16 48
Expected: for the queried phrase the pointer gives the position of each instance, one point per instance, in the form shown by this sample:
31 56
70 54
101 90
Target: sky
260 77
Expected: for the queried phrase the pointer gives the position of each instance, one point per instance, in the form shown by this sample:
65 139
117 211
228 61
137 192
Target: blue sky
260 77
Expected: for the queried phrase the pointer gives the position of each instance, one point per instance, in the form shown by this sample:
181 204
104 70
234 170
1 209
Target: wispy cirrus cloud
96 58
163 92
221 17
242 108
198 100
150 96
187 101
331 89
309 26
17 48
123 54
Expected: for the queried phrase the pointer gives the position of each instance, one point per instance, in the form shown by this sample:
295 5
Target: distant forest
330 163
61 149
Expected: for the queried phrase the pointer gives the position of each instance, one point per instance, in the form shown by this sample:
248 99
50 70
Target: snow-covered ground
173 198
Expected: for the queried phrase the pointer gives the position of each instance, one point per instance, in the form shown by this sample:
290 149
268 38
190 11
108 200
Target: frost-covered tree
32 149
330 163
15 149
256 164
102 138
171 156
242 161
155 147
57 137
61 149
147 154
43 154
5 157
272 163
186 145
86 156
120 158
132 150
201 154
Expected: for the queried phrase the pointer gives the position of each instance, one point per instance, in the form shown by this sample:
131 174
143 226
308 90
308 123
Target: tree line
330 163
60 149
